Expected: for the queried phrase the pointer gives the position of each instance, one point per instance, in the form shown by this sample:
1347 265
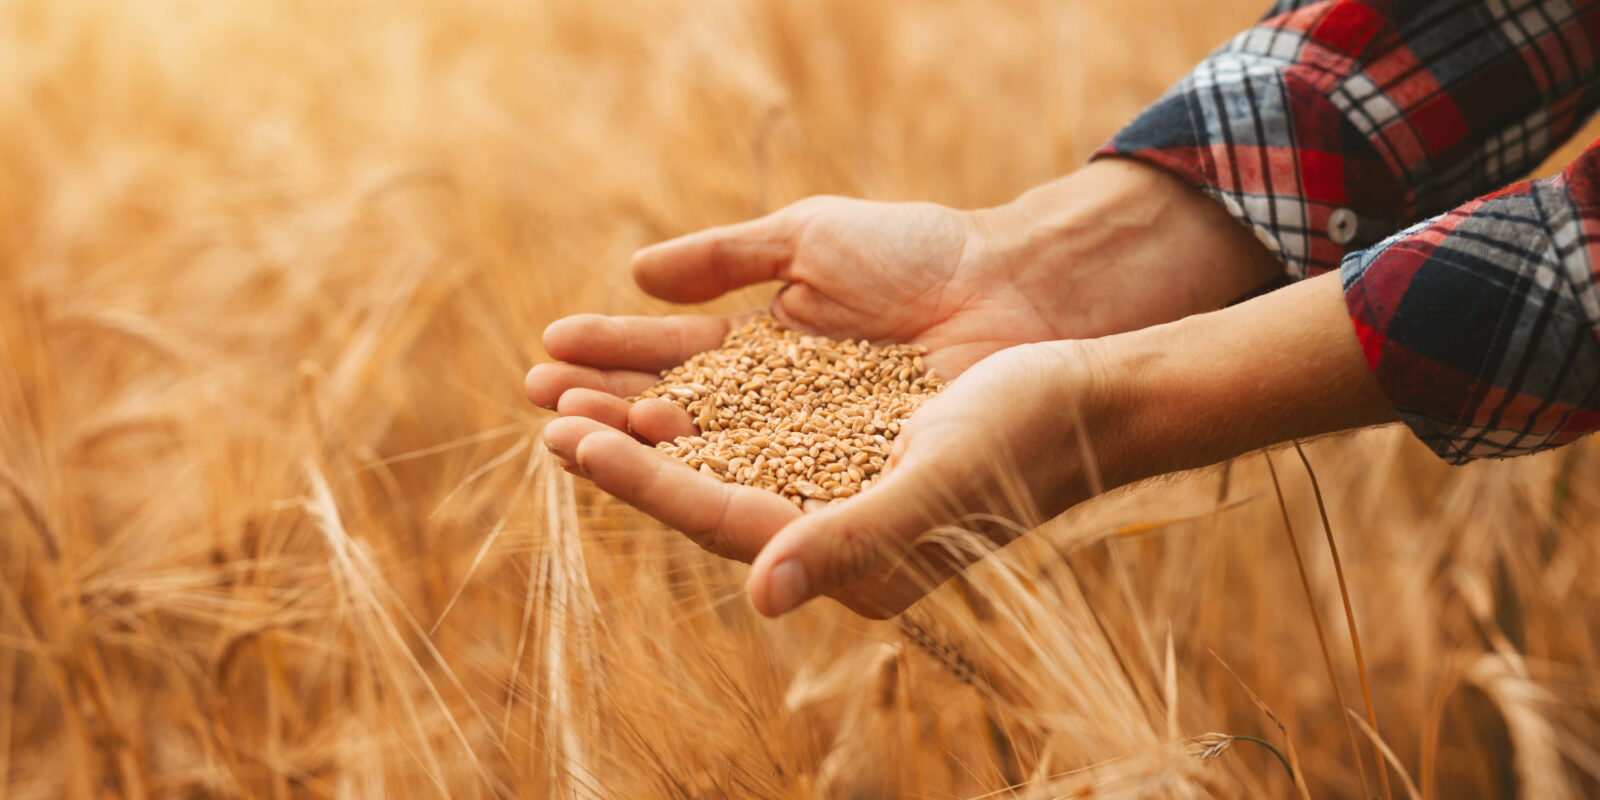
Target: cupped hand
962 460
852 269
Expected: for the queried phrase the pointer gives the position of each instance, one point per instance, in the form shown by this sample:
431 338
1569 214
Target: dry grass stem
1350 622
1316 624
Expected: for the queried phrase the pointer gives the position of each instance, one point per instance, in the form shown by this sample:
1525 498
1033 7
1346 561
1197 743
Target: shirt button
1342 226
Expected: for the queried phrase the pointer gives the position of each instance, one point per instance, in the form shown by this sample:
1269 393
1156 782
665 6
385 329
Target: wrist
1120 245
1210 387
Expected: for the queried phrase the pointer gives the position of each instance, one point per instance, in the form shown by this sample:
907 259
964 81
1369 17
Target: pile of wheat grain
806 417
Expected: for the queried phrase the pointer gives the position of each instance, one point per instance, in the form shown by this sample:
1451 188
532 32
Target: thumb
712 262
828 550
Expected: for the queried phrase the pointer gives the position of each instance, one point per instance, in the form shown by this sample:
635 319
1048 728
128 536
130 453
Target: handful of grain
803 416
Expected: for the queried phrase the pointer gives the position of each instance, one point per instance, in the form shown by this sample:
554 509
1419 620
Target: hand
903 272
1163 399
1089 255
951 459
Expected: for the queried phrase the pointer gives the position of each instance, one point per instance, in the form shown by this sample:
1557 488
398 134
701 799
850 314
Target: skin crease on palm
1004 299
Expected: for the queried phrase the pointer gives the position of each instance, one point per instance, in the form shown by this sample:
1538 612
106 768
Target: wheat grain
806 417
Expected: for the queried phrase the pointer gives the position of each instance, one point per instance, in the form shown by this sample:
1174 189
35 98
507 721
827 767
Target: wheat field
275 519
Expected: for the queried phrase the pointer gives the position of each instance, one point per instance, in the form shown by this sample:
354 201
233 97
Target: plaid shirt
1333 124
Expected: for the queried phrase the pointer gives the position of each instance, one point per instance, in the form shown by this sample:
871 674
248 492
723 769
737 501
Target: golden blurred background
275 520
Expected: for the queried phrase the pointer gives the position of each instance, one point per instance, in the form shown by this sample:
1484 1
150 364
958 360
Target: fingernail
786 586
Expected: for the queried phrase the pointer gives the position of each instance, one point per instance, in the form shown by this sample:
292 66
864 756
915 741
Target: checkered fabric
1483 324
1332 124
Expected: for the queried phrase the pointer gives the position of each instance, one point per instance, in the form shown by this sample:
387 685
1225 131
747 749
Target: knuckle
712 535
721 255
813 203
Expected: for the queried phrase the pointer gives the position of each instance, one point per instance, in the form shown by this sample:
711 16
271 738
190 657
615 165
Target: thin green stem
1268 745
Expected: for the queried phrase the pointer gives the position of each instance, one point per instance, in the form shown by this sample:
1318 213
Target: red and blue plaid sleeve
1332 124
1483 324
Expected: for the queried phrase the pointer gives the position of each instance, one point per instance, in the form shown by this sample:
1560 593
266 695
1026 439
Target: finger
607 409
567 465
651 344
708 264
547 382
660 421
562 435
870 533
728 519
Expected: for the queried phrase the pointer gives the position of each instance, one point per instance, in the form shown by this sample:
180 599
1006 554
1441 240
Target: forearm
1120 245
1283 366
